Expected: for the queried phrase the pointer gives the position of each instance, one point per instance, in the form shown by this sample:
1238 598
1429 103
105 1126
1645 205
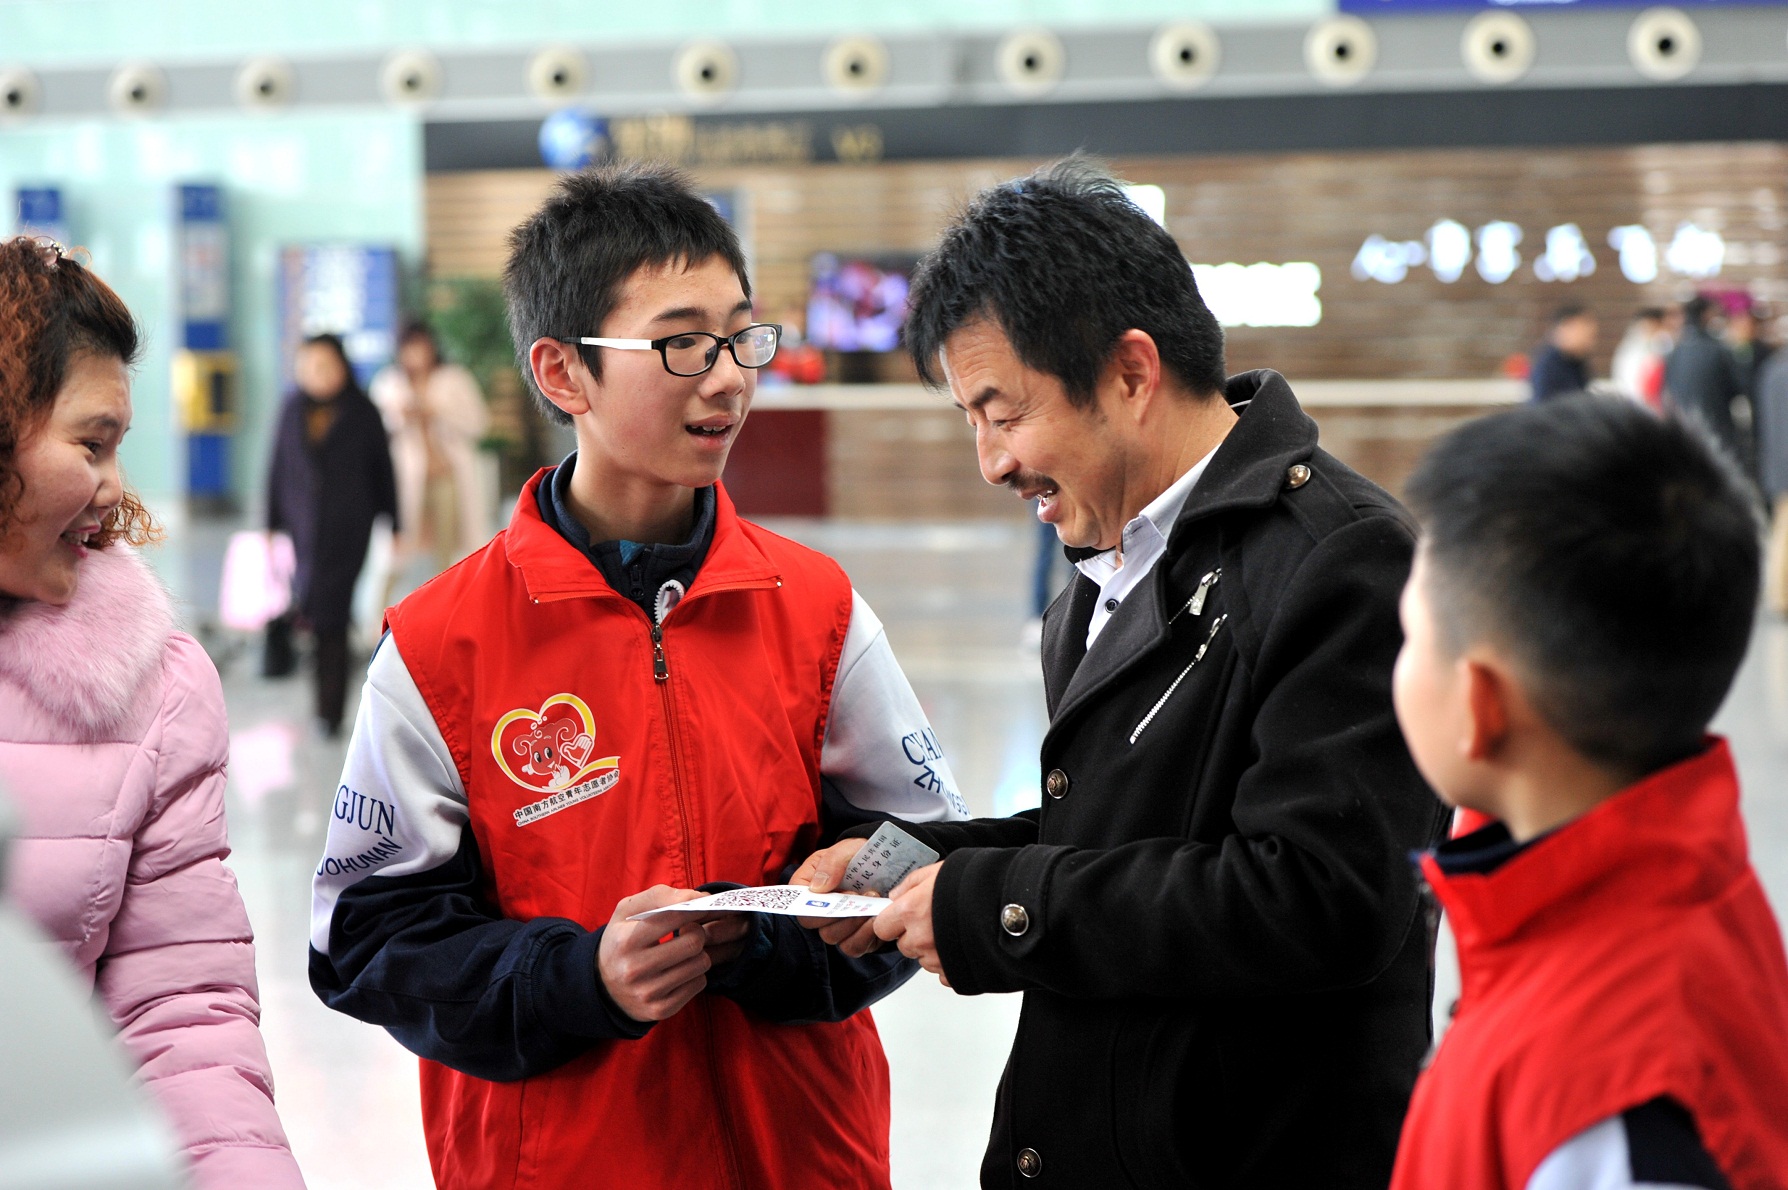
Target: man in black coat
1225 961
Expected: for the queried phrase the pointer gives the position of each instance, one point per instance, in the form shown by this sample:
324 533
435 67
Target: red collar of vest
553 568
1673 838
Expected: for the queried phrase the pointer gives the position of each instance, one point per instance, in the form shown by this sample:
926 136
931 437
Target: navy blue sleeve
430 959
1665 1149
787 974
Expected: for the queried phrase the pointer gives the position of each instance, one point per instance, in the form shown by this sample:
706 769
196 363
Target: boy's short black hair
1612 553
568 261
1064 263
1568 311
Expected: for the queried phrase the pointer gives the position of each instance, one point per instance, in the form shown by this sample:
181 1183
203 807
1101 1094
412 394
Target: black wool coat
327 496
1224 953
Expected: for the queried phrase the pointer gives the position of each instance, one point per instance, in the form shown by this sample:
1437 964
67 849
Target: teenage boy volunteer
1581 599
629 694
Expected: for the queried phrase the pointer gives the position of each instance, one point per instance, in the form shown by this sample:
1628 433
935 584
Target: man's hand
653 968
822 872
906 921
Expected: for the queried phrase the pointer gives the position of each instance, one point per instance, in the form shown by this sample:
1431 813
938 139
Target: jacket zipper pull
660 669
1195 605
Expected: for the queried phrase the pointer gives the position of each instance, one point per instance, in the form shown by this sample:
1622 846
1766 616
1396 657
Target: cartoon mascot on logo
549 751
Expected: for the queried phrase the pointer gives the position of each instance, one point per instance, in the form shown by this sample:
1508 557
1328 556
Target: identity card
884 861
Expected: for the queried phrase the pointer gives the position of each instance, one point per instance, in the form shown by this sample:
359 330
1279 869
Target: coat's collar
1271 434
1671 839
1249 470
87 662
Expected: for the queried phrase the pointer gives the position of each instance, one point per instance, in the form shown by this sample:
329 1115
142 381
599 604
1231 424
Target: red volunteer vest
589 779
1630 955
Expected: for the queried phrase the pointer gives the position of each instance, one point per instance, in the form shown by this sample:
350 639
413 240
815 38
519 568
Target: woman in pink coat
112 733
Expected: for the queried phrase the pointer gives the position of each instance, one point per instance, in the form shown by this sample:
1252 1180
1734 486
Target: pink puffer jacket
112 747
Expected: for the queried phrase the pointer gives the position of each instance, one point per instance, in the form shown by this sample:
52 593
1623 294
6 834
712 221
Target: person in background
1638 371
113 739
1583 593
436 416
1561 365
1771 408
1749 351
330 479
1701 378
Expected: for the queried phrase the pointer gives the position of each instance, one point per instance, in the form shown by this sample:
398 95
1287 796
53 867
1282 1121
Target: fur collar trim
88 661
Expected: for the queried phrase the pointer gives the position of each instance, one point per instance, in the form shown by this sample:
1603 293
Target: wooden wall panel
1317 207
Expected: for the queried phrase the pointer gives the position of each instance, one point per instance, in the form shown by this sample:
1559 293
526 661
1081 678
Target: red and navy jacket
1626 959
531 747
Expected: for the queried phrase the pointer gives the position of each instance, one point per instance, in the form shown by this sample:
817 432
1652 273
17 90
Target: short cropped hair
569 260
1567 312
1064 263
1613 554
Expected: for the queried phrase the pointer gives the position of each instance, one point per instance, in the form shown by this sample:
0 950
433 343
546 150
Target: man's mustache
1030 481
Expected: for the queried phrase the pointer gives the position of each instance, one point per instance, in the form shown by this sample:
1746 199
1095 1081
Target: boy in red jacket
630 696
1581 599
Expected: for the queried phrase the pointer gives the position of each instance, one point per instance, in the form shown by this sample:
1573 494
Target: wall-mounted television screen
858 303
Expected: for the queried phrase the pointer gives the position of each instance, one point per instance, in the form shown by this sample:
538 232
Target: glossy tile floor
954 598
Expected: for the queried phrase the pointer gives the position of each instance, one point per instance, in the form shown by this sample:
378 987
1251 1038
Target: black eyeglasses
694 352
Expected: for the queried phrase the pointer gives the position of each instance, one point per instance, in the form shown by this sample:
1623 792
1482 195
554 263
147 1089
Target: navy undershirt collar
1482 851
635 569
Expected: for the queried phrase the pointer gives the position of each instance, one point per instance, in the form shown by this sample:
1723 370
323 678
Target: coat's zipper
726 1119
661 677
1196 658
660 667
1195 605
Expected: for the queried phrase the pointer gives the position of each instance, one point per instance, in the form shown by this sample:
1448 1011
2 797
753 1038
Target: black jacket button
1030 1162
1015 920
1056 784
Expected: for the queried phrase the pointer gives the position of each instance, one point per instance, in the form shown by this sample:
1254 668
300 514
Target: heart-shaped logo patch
549 749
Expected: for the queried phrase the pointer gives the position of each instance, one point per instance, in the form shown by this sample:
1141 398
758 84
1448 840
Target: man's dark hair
1612 553
569 260
1064 263
1649 314
1567 312
1696 309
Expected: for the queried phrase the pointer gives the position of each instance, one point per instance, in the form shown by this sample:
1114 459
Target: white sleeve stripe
880 750
400 806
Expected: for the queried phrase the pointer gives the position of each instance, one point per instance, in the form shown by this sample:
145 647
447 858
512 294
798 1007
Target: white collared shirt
1120 571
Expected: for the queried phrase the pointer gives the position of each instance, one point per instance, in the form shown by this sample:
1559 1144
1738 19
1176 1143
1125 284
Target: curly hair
53 308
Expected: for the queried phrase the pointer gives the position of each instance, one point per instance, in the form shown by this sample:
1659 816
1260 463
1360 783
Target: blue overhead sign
1397 7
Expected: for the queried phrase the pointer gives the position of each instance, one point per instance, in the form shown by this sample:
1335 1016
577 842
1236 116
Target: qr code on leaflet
775 897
